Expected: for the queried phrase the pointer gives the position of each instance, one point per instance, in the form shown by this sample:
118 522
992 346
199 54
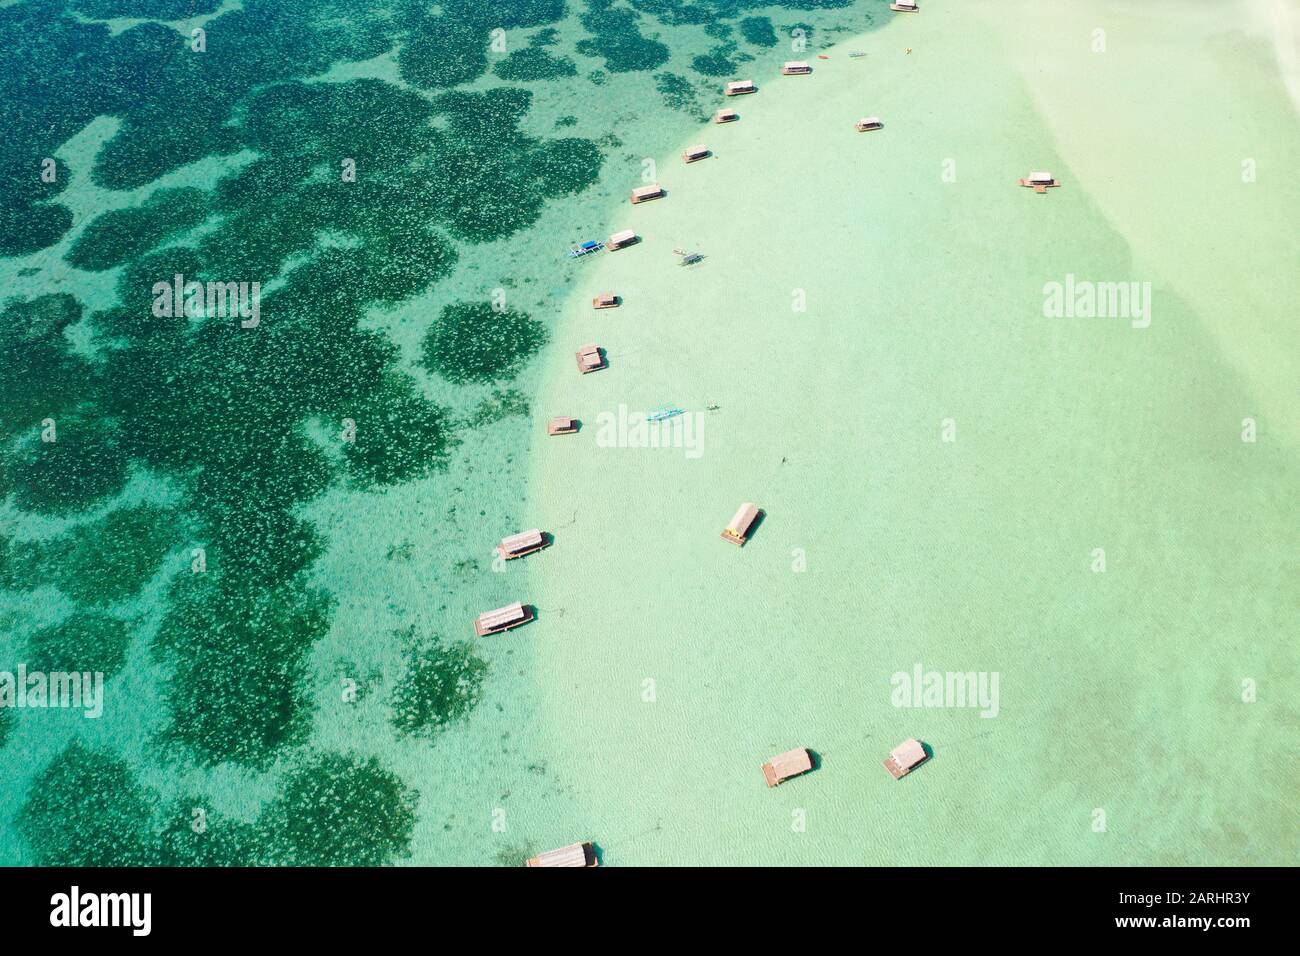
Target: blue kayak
662 412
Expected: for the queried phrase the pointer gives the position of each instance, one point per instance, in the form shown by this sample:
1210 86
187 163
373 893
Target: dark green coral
440 684
340 810
758 31
472 342
87 809
86 642
123 234
534 63
616 37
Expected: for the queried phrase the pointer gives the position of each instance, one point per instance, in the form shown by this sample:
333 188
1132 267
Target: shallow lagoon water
1119 691
884 545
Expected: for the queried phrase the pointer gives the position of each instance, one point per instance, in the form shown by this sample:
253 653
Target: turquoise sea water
316 695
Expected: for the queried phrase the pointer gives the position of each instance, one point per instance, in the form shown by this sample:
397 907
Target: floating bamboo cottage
525 542
740 87
561 426
737 532
646 193
502 619
575 854
695 153
905 758
725 116
795 68
904 6
866 123
1039 181
789 764
589 359
604 300
620 239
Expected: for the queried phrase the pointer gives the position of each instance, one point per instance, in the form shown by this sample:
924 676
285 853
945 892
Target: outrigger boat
663 412
587 248
1040 181
689 258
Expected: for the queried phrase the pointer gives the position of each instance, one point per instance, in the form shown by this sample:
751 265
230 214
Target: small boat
868 123
796 68
575 854
822 56
1039 181
740 87
695 153
663 412
561 425
725 116
689 258
857 54
586 249
605 300
904 6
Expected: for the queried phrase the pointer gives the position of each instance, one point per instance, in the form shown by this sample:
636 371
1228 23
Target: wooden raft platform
646 193
589 359
621 239
575 854
502 619
737 531
518 545
789 764
905 758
